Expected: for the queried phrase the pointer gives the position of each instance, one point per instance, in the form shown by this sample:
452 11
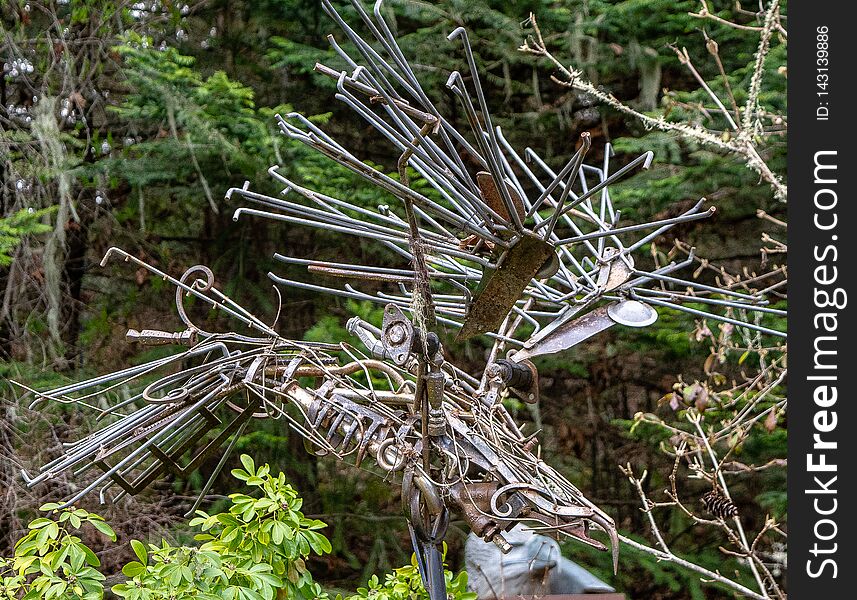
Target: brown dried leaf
702 331
674 403
771 421
709 363
697 395
672 399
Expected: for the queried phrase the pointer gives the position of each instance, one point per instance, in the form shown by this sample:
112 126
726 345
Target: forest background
123 123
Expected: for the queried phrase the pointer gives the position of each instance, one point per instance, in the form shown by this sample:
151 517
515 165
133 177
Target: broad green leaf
140 551
39 523
248 463
240 474
91 559
133 569
105 529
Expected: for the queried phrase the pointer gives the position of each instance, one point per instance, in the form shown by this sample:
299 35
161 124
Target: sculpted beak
606 523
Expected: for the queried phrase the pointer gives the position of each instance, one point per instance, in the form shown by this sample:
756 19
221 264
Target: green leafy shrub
405 583
253 551
52 563
256 550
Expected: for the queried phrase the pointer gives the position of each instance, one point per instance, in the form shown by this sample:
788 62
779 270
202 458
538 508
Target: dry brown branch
742 144
705 13
663 551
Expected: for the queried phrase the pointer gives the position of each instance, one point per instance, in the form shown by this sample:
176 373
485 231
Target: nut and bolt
397 333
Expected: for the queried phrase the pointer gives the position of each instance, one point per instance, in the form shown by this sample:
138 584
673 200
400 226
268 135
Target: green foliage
775 502
254 551
405 583
188 572
51 562
575 367
18 226
212 122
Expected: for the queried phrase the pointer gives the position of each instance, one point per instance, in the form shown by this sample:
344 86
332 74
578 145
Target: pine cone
718 504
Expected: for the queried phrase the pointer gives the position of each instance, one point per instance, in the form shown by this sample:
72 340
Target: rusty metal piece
522 378
353 274
549 268
566 335
435 381
350 426
491 195
474 505
516 375
475 244
504 286
502 544
397 334
613 272
495 385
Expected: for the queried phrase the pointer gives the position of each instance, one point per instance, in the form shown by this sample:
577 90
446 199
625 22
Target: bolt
397 333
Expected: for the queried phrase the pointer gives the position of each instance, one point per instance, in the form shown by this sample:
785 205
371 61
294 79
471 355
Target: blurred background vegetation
123 123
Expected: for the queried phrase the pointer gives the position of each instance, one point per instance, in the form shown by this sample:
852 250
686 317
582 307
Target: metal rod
685 218
707 315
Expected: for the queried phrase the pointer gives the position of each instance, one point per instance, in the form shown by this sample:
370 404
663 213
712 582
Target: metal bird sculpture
461 450
503 246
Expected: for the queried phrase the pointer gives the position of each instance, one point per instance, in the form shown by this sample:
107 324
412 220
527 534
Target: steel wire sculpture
505 247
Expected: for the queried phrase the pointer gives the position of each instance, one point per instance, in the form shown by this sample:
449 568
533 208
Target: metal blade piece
568 334
430 564
504 286
631 313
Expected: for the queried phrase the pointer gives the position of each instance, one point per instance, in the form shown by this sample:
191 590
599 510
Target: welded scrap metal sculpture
504 246
465 453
